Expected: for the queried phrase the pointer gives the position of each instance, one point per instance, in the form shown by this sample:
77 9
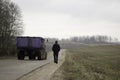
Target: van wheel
45 55
39 56
21 55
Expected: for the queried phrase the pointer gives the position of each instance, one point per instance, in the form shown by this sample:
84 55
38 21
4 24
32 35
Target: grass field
92 63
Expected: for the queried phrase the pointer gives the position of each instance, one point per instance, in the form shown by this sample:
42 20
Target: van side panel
22 42
36 42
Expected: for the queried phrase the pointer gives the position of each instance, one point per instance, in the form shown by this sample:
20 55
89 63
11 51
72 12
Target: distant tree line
93 39
10 26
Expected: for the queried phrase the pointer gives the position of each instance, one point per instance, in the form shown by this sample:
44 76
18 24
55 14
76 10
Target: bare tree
10 25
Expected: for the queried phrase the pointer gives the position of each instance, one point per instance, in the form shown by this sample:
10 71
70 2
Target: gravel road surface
12 69
45 72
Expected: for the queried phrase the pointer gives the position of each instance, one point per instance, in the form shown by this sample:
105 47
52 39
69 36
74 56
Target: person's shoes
56 62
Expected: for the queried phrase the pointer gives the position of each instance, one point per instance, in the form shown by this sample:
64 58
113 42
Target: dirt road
44 72
13 69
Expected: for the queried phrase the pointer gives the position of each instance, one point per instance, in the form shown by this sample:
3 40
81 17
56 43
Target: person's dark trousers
55 57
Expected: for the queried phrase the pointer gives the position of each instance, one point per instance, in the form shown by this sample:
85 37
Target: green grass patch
92 63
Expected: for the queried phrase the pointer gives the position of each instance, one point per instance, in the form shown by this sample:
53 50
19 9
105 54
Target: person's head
56 42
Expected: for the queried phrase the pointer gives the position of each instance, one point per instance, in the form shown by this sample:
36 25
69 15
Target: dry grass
92 63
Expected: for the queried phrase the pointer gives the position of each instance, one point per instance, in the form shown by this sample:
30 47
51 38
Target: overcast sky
67 18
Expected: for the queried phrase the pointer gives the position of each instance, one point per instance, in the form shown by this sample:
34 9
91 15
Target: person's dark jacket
56 48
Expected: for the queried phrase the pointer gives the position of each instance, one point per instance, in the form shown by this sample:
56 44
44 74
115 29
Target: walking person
56 49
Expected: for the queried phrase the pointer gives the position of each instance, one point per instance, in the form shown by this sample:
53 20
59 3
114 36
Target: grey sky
67 18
